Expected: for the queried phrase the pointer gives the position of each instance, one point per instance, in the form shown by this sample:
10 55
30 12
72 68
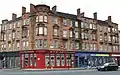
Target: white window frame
71 33
55 32
40 30
45 31
37 18
65 33
41 18
76 23
45 18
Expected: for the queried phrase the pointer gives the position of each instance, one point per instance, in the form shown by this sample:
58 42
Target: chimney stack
23 10
5 21
109 19
32 8
82 14
14 16
95 15
54 8
78 13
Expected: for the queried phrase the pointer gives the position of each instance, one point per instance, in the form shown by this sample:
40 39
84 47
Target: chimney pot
14 16
95 15
109 19
54 8
23 10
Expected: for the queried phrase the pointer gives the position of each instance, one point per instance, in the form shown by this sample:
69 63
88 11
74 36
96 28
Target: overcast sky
104 8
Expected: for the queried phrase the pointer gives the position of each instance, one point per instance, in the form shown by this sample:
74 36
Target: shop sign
115 54
102 54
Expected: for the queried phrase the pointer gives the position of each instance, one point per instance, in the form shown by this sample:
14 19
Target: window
37 43
91 46
10 26
45 31
101 47
45 43
52 58
13 35
94 46
83 46
23 43
55 32
105 47
18 24
71 45
18 44
100 28
71 34
105 29
76 34
40 43
14 24
77 45
109 38
27 43
100 37
45 18
55 20
76 23
82 24
37 19
56 44
9 45
9 36
5 27
58 59
71 23
47 61
64 33
82 34
87 46
112 29
86 25
90 26
62 60
28 33
4 36
108 29
64 44
109 48
40 18
40 30
36 30
64 22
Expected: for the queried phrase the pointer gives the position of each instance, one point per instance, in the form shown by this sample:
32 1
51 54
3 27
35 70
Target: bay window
45 18
45 31
64 33
40 30
40 18
55 32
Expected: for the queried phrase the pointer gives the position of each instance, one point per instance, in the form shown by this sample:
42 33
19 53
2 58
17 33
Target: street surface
66 72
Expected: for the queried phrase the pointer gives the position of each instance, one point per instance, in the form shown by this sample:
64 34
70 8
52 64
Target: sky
104 8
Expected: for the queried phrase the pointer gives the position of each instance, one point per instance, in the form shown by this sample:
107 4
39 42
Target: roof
66 15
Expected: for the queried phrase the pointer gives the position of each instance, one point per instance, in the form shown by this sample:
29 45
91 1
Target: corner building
44 38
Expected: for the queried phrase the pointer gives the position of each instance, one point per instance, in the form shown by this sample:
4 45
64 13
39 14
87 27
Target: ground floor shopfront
9 60
94 59
47 59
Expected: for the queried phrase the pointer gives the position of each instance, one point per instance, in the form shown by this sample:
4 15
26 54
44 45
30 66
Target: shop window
52 58
68 59
34 60
58 59
72 59
62 60
26 60
47 61
31 59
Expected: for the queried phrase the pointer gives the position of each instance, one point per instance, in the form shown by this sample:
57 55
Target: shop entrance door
83 62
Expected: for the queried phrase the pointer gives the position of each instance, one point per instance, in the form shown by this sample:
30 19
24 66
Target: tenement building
45 38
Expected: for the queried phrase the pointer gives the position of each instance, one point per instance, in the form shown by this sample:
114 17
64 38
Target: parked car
108 67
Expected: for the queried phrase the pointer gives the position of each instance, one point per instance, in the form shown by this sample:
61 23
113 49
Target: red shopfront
116 56
47 59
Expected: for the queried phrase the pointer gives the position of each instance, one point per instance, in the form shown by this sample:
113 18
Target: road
66 72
